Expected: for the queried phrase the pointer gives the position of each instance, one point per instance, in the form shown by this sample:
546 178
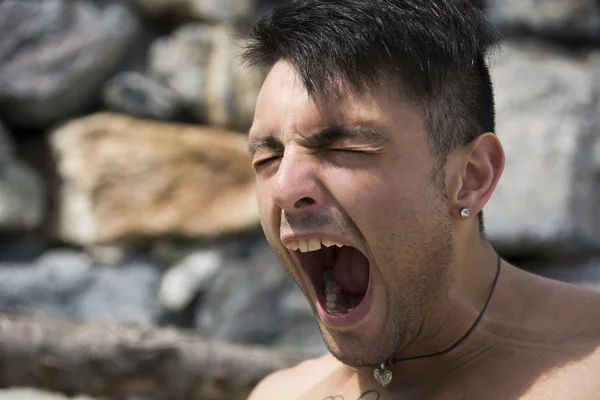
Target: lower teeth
332 290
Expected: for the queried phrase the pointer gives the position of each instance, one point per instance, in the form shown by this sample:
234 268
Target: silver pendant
383 376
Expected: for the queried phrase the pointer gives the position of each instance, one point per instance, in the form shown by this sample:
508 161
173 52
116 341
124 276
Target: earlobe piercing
465 213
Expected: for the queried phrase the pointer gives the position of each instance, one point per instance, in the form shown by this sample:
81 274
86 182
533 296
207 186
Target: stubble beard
406 313
425 274
430 279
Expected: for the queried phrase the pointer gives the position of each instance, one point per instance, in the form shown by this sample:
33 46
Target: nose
296 187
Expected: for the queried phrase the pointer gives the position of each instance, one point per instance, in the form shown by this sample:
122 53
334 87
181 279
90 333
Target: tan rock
18 393
124 179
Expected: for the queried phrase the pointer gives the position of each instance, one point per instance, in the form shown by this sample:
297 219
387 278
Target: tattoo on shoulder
368 395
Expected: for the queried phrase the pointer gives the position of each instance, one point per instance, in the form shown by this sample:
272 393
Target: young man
374 152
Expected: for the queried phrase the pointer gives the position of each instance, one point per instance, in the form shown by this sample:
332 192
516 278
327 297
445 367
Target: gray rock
546 201
180 62
300 333
55 55
197 75
51 285
21 248
208 10
124 293
22 192
138 95
182 282
7 147
256 301
579 272
111 254
560 19
65 283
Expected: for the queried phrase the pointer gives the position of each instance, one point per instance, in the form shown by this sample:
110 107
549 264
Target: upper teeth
305 245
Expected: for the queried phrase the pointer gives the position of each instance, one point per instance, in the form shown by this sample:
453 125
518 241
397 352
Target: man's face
355 170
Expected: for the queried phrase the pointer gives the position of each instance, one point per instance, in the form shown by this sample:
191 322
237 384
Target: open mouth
339 273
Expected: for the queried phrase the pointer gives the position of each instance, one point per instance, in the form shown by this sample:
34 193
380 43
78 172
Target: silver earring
465 213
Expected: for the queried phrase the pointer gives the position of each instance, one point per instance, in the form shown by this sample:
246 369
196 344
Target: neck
455 325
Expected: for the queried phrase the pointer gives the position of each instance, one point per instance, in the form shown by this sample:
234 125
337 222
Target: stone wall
126 192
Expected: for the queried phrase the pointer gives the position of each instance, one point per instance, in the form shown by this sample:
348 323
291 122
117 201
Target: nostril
304 202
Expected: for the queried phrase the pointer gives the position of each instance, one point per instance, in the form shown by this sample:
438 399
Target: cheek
399 216
269 214
262 200
375 200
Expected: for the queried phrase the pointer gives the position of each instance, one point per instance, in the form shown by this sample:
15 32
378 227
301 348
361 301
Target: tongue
351 270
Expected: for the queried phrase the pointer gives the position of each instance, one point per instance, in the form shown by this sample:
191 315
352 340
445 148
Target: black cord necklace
384 376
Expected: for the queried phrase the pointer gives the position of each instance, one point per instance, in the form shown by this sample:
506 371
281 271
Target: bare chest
575 383
522 373
369 394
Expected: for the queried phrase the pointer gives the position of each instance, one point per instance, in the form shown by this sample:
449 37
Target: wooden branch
117 361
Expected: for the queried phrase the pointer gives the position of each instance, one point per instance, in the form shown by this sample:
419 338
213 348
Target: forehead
284 105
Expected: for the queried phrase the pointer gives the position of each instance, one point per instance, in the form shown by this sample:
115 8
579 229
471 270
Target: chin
355 353
384 333
356 349
367 313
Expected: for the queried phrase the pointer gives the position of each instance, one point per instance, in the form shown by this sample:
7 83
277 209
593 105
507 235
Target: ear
473 172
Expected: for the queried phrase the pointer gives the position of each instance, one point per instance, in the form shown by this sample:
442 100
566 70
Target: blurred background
126 194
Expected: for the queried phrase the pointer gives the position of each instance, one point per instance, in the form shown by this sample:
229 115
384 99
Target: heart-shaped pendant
383 376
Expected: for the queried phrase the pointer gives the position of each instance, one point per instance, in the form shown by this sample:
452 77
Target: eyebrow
323 138
269 142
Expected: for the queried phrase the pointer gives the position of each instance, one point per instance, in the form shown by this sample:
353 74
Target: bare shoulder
293 382
575 319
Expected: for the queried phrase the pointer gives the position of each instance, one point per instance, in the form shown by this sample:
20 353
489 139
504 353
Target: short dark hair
434 50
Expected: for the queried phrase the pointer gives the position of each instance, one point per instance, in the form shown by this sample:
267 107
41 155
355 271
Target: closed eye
348 157
347 150
264 162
